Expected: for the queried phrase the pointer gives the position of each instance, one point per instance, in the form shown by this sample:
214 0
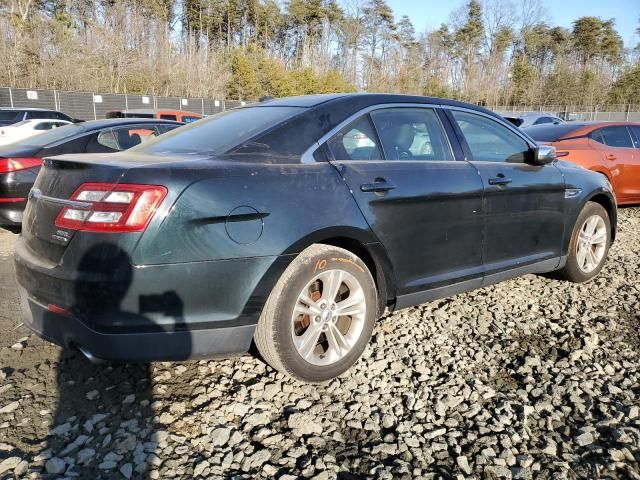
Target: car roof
29 109
362 100
117 122
575 129
156 110
537 114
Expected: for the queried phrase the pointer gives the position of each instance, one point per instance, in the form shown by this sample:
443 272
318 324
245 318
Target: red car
609 148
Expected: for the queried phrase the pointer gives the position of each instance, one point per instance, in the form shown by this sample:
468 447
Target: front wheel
589 246
319 317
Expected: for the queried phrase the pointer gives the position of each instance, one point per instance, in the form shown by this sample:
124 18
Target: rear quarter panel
253 211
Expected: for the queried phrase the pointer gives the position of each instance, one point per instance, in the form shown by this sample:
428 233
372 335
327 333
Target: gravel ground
533 378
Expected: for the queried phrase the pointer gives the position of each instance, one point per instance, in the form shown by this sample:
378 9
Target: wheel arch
364 245
609 204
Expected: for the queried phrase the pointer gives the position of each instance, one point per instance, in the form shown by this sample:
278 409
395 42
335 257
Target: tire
286 318
574 270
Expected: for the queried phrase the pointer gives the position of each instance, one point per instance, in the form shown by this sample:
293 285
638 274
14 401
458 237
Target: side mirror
544 154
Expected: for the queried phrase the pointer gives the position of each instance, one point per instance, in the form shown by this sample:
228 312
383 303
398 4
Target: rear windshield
550 132
52 136
10 115
220 133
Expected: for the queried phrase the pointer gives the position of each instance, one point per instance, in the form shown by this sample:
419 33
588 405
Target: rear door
617 150
523 203
423 205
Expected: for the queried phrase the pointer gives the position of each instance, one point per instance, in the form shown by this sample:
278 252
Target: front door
617 150
423 205
523 203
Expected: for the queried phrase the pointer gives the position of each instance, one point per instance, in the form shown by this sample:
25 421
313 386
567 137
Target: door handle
500 179
611 156
379 185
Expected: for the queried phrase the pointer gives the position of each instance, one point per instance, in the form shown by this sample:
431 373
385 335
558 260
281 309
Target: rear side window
357 141
188 119
42 114
165 128
489 141
166 116
617 137
542 120
11 115
225 131
130 136
108 139
411 134
44 126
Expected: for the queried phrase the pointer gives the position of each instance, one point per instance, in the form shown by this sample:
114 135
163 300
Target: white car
28 128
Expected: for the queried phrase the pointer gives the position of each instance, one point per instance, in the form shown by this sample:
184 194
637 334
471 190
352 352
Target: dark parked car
9 116
20 161
269 223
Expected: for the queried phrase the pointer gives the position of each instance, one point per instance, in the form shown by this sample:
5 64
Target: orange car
609 148
178 115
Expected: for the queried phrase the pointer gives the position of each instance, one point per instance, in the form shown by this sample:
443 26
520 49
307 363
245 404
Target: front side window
411 134
489 141
617 137
636 133
189 119
357 141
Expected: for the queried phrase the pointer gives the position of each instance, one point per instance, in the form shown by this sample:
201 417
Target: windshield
51 136
219 133
550 132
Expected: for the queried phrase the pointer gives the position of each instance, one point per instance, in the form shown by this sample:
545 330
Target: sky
429 14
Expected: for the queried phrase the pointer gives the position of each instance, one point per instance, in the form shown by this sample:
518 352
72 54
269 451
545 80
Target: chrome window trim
307 156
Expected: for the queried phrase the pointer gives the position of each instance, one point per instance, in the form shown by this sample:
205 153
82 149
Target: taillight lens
112 208
8 165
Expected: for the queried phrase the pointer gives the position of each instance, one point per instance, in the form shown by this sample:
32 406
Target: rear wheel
589 246
320 315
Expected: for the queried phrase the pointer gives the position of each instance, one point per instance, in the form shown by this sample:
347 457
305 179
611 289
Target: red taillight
8 165
112 208
562 154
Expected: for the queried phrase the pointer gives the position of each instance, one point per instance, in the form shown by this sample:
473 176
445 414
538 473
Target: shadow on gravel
104 424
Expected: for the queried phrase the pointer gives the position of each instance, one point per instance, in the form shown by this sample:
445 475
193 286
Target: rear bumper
70 332
118 311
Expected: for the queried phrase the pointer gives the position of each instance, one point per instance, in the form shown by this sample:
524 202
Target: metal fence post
126 102
202 106
11 97
93 102
626 116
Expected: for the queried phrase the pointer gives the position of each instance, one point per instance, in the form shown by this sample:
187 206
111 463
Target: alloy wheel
591 244
328 317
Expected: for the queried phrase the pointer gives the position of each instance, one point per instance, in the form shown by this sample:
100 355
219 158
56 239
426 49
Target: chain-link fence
604 113
91 106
